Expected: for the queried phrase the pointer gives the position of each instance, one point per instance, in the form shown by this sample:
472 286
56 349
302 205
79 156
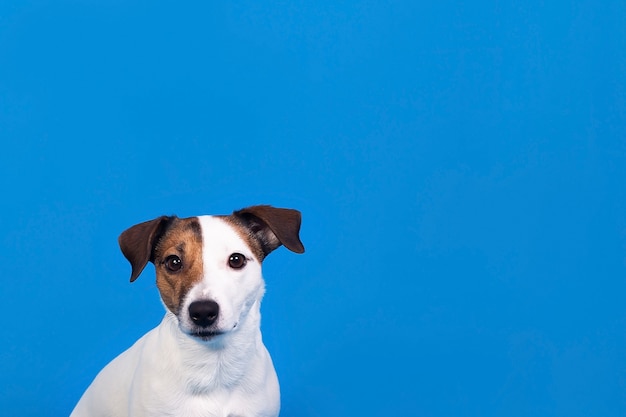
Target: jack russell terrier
206 358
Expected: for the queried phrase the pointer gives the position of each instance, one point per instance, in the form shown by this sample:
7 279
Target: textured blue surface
460 167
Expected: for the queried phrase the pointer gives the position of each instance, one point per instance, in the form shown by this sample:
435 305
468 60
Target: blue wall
460 168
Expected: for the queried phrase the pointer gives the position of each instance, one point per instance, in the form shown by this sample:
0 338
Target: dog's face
208 268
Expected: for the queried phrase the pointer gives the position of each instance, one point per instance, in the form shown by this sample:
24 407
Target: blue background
460 168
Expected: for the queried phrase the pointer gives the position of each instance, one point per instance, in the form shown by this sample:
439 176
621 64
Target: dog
206 357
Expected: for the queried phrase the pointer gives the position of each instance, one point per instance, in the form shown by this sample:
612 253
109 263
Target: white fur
169 373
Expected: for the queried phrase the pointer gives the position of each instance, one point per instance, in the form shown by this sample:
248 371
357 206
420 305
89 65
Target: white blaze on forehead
220 237
235 290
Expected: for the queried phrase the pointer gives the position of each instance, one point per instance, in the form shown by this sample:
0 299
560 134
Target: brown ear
273 226
137 243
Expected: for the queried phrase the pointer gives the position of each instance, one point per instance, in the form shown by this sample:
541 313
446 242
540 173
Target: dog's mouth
206 334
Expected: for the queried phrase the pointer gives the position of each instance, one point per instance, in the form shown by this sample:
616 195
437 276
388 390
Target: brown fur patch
182 238
246 235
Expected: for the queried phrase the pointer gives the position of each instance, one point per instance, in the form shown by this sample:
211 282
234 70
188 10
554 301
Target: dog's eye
173 263
237 261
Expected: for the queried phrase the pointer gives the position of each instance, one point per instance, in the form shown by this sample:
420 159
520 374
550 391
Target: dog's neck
219 363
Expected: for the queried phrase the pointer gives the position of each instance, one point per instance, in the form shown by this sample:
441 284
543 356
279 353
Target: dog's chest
218 404
181 378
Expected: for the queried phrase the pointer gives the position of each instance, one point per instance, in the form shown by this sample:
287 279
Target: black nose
204 313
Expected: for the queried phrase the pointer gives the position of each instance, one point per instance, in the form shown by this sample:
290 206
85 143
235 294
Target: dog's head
208 268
